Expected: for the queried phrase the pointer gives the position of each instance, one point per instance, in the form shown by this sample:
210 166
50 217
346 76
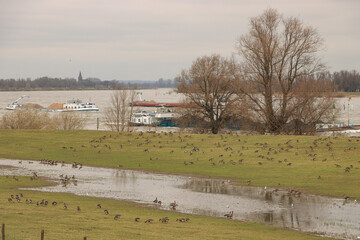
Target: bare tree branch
118 114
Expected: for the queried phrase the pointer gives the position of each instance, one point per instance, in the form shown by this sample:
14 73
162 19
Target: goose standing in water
173 205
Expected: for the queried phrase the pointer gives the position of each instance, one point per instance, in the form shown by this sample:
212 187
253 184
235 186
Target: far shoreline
335 94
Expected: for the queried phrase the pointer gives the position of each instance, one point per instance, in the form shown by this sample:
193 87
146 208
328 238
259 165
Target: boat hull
11 108
79 110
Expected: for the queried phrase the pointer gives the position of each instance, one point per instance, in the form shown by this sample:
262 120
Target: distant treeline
345 81
47 83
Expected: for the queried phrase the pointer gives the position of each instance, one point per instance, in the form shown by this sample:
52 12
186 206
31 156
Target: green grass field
25 221
265 160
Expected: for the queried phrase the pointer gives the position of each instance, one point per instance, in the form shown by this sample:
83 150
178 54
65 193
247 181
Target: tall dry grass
25 119
67 121
35 119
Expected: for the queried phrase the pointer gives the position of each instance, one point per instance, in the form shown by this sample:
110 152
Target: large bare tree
118 114
275 54
208 87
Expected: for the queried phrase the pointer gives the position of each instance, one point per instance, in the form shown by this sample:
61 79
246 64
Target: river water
100 97
349 109
210 197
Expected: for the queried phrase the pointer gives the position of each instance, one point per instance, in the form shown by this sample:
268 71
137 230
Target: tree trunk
215 127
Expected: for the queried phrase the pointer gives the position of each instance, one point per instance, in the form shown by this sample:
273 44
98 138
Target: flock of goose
229 155
19 198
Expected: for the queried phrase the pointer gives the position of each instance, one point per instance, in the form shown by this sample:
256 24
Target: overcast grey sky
152 39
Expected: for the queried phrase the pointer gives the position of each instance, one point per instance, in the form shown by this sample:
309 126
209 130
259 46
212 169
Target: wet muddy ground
318 215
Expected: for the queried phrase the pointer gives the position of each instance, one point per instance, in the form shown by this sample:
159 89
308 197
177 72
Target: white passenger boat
77 105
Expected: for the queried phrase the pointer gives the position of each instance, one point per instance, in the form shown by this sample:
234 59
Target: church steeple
80 77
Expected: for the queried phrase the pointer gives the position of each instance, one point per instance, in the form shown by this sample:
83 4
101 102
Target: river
317 215
100 97
349 109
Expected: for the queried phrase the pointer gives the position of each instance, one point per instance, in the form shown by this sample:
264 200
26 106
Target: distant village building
80 77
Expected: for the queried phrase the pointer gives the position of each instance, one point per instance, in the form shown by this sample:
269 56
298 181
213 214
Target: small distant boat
143 103
163 117
155 104
166 117
78 106
15 105
142 118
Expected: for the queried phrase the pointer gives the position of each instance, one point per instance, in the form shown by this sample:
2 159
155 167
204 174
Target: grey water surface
210 197
348 108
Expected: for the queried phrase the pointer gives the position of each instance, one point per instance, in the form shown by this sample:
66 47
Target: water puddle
210 197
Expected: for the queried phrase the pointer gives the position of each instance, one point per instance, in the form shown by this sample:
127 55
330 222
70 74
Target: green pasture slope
272 161
289 162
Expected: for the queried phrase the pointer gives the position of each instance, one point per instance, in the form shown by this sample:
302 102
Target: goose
229 215
173 205
164 220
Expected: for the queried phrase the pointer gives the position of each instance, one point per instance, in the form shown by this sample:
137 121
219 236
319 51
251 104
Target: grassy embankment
135 151
346 94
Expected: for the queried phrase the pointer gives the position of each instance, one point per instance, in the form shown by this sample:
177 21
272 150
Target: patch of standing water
210 197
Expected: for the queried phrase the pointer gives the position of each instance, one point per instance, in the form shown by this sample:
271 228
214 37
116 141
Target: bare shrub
25 119
313 103
67 121
118 114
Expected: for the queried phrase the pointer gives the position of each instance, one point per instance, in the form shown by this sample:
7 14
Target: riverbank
320 165
335 94
346 94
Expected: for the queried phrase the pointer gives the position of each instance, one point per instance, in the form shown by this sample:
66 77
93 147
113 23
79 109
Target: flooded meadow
319 215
